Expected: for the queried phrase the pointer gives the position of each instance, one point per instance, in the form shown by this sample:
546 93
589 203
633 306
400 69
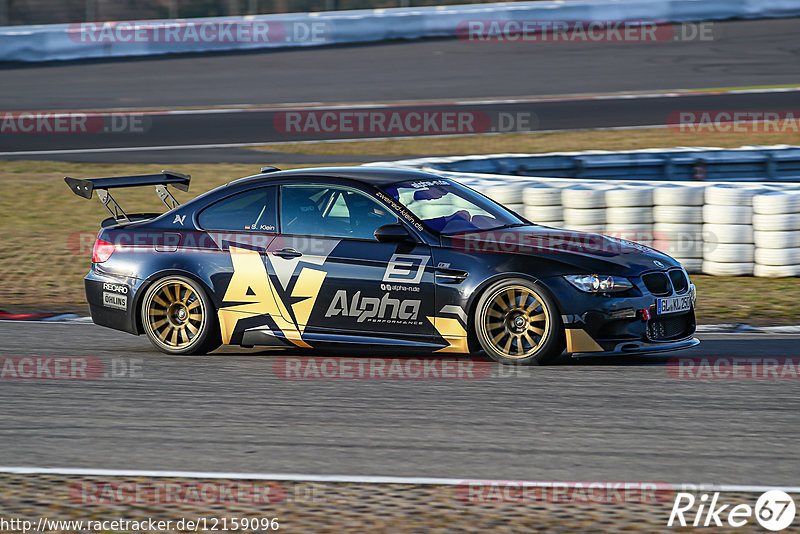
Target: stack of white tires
508 194
729 248
776 225
543 205
629 213
585 207
678 223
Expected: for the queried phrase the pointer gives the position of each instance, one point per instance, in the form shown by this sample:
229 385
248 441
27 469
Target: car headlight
599 283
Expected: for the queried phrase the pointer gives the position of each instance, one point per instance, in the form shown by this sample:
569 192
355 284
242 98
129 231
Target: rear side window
248 211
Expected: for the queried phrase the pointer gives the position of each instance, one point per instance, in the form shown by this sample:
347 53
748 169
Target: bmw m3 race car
380 258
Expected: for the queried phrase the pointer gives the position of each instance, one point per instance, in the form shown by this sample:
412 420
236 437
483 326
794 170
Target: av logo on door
405 268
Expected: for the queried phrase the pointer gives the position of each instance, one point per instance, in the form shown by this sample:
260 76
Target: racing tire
776 223
777 202
732 195
729 252
517 322
179 318
585 216
776 271
679 195
678 214
543 213
776 239
629 215
777 257
541 195
728 268
728 233
623 197
713 214
584 197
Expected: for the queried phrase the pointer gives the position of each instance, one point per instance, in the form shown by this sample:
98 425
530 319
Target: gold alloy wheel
175 314
515 321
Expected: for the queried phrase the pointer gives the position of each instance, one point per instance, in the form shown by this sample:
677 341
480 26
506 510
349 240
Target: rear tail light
102 251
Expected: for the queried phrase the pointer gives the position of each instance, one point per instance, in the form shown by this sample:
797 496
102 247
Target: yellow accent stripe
453 332
580 341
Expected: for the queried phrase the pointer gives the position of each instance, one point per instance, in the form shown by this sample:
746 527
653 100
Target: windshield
449 208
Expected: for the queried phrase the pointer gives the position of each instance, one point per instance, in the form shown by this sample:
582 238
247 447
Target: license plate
114 300
673 304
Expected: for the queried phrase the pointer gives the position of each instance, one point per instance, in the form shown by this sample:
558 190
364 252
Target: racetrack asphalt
743 53
593 419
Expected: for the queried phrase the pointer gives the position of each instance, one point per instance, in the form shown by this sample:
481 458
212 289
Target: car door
240 228
336 278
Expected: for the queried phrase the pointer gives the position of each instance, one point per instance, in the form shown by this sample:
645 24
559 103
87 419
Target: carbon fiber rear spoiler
85 187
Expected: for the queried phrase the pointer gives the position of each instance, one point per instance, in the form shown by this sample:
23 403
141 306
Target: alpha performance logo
405 268
373 309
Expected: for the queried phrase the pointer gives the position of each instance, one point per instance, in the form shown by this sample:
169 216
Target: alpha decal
179 219
373 309
251 286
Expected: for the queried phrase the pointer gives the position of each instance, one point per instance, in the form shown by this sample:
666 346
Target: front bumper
597 325
641 348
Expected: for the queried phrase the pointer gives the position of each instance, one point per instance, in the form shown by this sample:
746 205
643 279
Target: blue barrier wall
749 164
61 42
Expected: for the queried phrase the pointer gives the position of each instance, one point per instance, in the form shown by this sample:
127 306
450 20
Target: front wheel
517 323
179 318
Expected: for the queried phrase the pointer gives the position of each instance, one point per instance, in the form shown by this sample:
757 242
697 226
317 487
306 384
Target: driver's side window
331 211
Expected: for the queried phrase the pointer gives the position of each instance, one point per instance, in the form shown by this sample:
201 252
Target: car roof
368 175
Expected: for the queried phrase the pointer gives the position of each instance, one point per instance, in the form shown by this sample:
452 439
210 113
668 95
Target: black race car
374 258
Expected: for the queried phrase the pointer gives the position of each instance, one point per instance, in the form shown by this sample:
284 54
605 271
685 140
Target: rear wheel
517 322
179 318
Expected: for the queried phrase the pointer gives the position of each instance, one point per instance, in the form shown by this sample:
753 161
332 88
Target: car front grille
679 281
665 328
657 283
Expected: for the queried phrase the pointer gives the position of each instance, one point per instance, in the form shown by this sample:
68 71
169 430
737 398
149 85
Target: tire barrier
585 207
677 228
776 233
725 229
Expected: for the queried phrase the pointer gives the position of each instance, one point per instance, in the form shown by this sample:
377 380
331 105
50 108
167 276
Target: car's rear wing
85 187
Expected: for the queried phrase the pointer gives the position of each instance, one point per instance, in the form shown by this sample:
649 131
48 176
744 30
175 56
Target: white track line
426 481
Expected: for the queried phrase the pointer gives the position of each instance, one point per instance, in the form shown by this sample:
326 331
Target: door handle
287 253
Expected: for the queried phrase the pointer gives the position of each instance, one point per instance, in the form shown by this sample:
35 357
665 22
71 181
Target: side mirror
392 233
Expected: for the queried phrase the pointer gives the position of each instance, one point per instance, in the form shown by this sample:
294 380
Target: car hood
580 250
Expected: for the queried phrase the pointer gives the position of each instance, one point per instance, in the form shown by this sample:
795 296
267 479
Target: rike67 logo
774 510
